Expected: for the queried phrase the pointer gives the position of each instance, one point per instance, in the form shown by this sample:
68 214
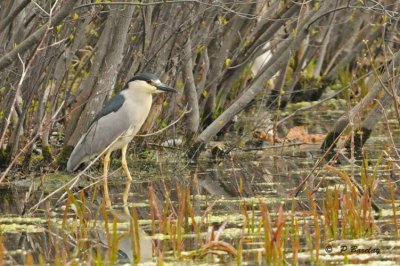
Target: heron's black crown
145 77
142 76
156 85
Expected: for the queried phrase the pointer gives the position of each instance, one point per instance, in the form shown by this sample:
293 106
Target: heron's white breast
137 107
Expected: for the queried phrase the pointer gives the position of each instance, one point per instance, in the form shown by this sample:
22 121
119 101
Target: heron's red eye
149 81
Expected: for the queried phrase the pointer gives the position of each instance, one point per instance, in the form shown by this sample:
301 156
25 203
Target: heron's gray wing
101 133
112 105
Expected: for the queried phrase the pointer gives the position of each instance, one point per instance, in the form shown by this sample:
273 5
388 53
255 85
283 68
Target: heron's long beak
164 87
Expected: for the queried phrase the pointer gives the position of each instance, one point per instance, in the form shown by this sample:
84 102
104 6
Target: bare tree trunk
331 139
278 61
116 31
289 90
349 56
207 48
29 88
193 118
277 91
56 80
205 67
11 15
324 46
370 122
263 35
220 48
356 32
78 120
158 55
35 38
49 104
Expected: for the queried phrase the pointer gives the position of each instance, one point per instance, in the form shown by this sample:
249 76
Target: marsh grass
317 235
183 231
134 235
2 250
390 185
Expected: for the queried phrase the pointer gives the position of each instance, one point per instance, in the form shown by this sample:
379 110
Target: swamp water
234 210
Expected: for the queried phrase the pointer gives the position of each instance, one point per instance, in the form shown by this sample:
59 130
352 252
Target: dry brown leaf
260 134
299 133
219 245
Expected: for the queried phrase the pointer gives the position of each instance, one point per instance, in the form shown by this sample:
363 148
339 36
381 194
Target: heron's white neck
139 92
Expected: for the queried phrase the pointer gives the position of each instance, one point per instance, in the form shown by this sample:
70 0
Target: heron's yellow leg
125 196
105 185
124 163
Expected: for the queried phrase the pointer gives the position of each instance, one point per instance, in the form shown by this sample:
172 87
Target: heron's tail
77 157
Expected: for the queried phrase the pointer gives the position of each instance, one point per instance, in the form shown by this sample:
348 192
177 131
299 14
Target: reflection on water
183 208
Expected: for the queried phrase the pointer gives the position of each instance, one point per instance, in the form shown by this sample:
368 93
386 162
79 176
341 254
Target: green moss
58 177
63 156
4 157
115 162
46 152
33 160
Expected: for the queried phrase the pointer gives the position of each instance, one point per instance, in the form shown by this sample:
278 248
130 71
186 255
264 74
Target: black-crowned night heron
117 123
